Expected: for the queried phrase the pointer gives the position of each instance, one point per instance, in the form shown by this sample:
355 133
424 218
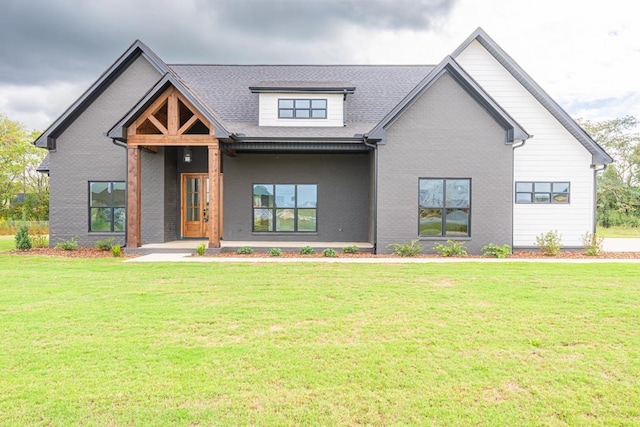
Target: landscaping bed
96 253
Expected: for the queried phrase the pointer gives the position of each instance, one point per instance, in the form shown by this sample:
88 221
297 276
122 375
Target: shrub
23 242
105 245
68 245
350 249
406 249
201 249
451 248
329 253
549 242
307 250
592 243
245 250
116 251
275 252
496 251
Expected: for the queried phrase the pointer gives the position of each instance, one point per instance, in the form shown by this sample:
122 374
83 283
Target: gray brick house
152 153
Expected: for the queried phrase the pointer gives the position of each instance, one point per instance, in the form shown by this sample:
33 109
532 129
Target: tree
619 185
19 160
619 138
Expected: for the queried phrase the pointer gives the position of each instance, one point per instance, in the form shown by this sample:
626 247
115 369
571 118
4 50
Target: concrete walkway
376 260
609 245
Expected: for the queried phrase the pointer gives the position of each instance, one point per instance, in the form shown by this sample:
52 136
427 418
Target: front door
194 205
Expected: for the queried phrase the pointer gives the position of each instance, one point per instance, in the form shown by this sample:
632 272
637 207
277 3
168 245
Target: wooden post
214 195
133 196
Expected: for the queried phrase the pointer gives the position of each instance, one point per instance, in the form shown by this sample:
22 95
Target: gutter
514 146
365 140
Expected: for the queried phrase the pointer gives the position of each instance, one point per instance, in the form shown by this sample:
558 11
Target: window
444 207
302 108
285 207
542 192
107 206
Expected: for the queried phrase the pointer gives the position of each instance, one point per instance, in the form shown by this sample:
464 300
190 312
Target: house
471 149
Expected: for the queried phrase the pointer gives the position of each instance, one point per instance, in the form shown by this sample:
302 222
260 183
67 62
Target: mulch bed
96 253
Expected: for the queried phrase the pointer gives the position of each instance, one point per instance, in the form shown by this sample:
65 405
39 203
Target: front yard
101 342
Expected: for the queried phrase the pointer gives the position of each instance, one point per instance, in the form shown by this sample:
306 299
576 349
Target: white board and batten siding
269 110
553 154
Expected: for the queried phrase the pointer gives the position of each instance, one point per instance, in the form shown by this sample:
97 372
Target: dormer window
302 103
302 108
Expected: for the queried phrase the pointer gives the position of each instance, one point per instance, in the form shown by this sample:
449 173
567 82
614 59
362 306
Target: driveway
616 244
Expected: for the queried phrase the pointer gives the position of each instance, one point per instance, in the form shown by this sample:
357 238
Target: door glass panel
193 199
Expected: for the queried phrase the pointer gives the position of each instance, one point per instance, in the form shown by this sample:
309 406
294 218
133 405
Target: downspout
375 191
123 145
513 185
595 195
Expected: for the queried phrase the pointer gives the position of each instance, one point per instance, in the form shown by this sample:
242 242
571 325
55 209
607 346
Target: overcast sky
584 53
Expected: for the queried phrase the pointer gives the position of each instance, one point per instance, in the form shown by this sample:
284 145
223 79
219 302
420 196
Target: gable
168 100
467 55
130 57
514 132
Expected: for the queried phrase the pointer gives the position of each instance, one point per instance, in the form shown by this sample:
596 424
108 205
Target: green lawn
619 232
102 342
7 243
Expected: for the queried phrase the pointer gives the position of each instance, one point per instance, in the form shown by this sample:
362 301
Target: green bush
116 251
329 253
350 249
201 249
68 245
496 251
592 243
275 252
451 248
23 241
307 250
105 245
245 250
549 242
410 249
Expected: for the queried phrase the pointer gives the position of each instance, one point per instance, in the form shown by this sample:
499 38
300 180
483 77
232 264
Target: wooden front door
194 205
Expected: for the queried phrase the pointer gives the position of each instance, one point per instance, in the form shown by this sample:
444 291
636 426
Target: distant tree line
24 192
618 197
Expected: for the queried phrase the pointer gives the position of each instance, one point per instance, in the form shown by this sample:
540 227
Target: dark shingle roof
225 89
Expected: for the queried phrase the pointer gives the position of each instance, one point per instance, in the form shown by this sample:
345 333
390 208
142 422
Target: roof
378 89
515 132
44 165
599 156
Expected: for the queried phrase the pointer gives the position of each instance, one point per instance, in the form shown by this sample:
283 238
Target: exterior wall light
186 155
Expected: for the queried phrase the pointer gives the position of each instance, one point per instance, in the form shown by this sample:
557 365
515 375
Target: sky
584 53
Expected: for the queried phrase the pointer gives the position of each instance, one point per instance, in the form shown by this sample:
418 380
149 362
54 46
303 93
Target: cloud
47 41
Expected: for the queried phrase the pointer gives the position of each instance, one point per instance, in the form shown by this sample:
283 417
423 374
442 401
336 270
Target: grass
101 342
619 232
7 243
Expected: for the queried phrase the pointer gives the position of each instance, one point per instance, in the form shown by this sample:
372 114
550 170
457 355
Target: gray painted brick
84 154
343 193
445 134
